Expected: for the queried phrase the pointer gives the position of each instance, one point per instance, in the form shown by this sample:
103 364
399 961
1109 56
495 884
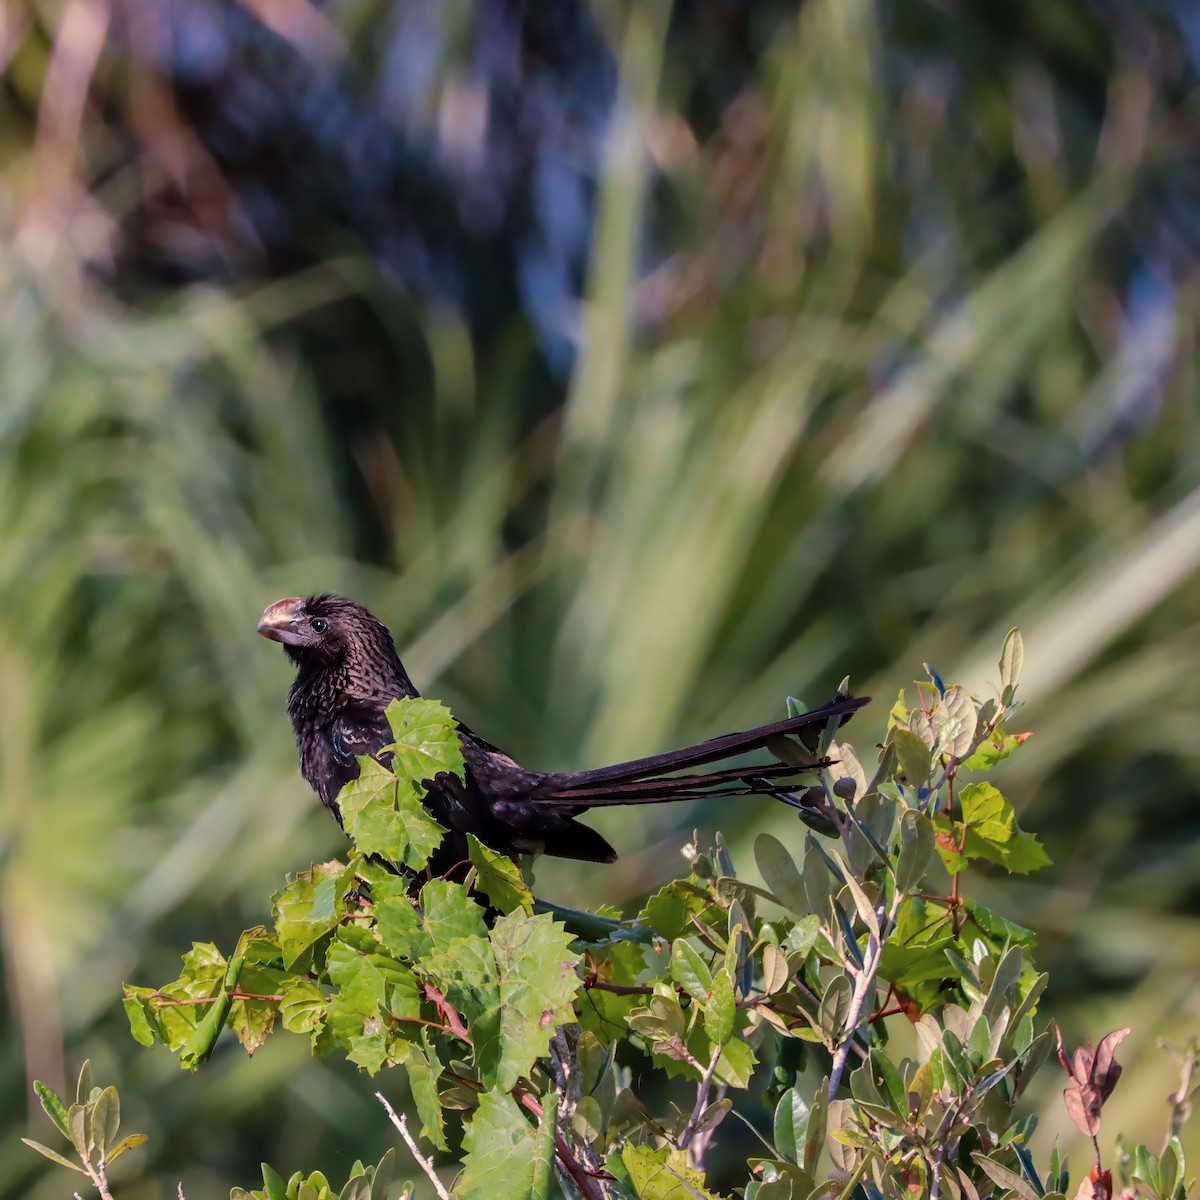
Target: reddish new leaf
1094 1074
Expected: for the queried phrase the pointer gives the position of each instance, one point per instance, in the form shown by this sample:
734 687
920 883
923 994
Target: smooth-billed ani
348 671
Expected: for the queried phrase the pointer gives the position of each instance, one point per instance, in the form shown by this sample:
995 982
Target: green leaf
126 1143
916 758
384 815
499 878
310 907
791 1125
538 981
53 1155
302 1006
835 1008
426 740
424 1068
916 849
663 1174
690 971
1012 659
506 1156
464 969
1005 1176
106 1120
955 721
83 1088
720 1009
200 1045
996 747
371 989
671 908
447 911
780 873
79 1121
803 935
54 1108
993 833
818 1116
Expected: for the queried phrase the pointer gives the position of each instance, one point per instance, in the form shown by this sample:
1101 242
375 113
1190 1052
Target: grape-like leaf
506 1155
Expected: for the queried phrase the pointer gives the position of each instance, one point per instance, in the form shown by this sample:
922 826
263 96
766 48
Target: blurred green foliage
888 342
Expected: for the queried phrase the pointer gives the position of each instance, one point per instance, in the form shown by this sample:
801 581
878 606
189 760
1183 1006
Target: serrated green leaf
53 1155
506 1155
384 815
663 1174
996 747
372 988
992 831
426 739
424 1069
670 910
302 1006
310 907
464 969
780 873
537 981
499 878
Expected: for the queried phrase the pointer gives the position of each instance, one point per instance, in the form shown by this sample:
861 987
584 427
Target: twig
701 1100
864 985
401 1123
179 1191
935 1183
164 1001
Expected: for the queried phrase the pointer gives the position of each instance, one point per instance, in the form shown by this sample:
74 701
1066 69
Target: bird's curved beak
281 621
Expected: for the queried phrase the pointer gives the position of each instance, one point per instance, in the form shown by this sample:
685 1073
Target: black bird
348 671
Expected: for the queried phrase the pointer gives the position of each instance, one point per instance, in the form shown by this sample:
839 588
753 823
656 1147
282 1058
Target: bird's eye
319 624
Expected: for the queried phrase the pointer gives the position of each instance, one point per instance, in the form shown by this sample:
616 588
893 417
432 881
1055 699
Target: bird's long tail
660 778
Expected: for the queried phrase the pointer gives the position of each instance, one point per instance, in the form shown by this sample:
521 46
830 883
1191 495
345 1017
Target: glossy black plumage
348 671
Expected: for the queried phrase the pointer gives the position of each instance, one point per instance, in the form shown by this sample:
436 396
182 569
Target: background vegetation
640 367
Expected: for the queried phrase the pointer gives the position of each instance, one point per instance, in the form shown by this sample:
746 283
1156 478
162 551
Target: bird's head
318 631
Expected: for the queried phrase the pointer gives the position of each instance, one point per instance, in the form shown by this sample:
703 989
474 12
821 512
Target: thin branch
864 985
401 1123
434 1025
698 1108
935 1182
164 1001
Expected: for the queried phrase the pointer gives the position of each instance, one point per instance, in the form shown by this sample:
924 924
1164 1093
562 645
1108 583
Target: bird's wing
356 732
